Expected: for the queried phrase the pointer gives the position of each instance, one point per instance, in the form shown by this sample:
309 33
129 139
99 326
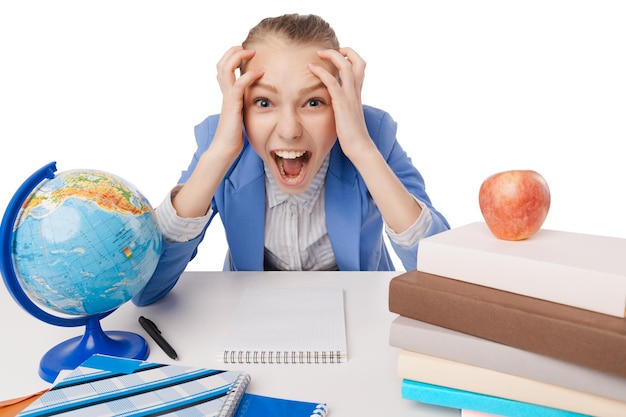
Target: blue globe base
71 353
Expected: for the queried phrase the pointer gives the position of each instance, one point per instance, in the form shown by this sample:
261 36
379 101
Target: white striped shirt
296 238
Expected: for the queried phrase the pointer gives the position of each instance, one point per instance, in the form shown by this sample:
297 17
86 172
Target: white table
195 317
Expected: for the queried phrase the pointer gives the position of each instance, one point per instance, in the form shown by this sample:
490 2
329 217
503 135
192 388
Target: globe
79 243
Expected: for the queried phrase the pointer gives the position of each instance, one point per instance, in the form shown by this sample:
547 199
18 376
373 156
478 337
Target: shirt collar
306 199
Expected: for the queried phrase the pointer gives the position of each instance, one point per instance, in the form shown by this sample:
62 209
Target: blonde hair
296 28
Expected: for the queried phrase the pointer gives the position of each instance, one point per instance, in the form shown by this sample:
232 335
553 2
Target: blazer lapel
343 211
244 212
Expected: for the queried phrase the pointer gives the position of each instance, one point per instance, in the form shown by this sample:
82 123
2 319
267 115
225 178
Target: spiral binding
281 357
234 396
321 410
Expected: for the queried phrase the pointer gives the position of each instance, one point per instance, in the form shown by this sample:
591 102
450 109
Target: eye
314 102
262 102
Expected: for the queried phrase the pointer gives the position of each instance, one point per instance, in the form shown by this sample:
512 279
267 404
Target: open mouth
292 165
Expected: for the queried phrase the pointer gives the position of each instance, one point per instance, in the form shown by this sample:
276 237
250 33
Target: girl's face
288 113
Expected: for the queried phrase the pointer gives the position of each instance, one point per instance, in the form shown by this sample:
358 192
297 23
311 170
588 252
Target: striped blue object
454 398
106 386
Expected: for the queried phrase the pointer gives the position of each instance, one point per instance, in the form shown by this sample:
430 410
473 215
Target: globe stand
73 352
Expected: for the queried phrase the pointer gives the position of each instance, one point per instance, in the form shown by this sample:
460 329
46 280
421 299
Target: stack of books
514 328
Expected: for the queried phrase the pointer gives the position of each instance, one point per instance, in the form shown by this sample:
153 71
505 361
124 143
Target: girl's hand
229 133
345 91
398 208
194 198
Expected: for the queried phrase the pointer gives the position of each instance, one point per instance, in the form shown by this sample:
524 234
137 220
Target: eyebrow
265 86
312 88
274 90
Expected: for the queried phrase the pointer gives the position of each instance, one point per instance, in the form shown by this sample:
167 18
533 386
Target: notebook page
287 325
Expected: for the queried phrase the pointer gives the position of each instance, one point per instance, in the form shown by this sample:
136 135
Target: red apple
514 203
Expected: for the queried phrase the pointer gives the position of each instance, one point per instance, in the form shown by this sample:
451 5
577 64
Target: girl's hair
296 28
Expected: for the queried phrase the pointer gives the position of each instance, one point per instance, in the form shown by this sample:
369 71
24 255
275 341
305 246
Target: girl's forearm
397 206
194 198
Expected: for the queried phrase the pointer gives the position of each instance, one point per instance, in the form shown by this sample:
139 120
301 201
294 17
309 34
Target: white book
418 336
575 269
436 371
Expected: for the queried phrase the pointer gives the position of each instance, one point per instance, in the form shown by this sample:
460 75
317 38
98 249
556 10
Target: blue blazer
354 224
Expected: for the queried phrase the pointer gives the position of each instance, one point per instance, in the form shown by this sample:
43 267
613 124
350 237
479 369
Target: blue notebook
261 406
112 386
454 398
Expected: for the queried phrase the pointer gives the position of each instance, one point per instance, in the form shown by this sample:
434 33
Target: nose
289 126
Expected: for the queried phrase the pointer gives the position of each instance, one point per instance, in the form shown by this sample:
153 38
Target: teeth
289 154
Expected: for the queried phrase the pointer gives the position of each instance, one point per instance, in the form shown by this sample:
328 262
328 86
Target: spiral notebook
252 405
112 386
287 326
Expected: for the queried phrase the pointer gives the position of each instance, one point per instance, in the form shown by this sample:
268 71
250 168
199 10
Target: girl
303 175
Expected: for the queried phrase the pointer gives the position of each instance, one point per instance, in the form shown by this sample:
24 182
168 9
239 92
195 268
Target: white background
477 87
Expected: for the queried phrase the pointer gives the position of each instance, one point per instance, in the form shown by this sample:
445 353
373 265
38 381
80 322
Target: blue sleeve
172 264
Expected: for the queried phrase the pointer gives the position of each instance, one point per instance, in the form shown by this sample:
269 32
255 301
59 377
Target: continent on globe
85 242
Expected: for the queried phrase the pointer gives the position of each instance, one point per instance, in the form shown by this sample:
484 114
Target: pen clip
150 323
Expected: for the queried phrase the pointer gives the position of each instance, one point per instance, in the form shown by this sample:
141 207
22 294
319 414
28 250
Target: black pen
155 333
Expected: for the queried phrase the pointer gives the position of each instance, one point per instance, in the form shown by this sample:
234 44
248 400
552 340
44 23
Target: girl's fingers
350 65
229 63
358 63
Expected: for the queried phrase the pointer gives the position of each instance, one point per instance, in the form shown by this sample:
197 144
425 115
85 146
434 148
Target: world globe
80 243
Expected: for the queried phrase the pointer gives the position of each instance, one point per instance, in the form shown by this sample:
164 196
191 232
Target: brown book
583 337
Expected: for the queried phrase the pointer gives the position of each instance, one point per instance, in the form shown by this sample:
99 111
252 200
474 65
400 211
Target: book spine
282 357
595 340
593 290
453 398
234 396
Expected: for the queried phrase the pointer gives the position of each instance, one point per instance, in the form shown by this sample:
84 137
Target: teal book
112 386
454 398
